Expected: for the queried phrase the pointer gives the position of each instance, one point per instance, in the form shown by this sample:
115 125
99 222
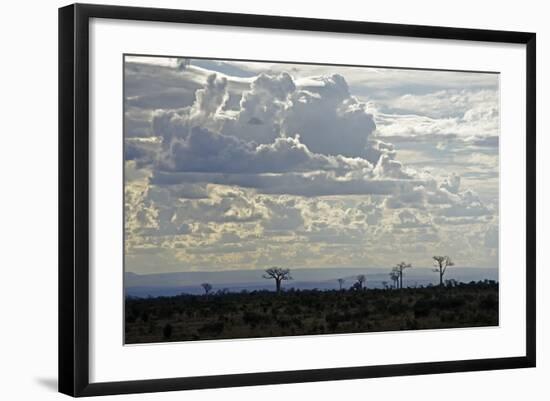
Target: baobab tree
394 276
361 280
399 268
341 282
278 274
441 263
207 287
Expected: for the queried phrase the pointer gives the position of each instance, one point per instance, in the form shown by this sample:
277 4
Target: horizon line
301 268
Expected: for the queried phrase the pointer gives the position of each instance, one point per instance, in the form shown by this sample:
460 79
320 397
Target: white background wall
28 201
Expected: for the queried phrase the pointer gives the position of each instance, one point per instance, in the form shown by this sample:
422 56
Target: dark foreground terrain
304 312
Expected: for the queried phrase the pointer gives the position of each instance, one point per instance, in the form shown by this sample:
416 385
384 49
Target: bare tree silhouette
361 280
278 274
399 268
341 282
207 287
394 276
441 264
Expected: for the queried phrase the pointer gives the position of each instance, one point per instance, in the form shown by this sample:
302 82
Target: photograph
267 199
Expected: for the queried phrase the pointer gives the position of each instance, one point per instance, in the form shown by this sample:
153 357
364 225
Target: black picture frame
74 201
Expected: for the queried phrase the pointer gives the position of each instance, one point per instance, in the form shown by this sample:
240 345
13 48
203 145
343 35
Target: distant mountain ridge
169 284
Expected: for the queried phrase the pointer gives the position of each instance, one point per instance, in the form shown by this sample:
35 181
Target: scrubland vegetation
223 315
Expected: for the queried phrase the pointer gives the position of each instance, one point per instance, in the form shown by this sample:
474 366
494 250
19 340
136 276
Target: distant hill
168 284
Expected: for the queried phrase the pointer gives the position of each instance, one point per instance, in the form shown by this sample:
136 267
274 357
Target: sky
246 165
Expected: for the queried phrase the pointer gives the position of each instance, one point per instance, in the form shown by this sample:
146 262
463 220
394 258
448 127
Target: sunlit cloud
234 165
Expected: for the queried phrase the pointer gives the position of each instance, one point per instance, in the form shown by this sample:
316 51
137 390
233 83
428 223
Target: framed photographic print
233 185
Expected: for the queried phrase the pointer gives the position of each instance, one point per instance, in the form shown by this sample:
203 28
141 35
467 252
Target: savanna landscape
356 309
266 199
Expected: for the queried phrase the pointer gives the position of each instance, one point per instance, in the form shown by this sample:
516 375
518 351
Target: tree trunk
440 278
278 283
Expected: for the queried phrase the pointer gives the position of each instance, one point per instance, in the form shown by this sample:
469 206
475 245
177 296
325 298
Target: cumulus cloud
408 219
387 167
469 204
261 109
443 199
473 117
148 87
222 170
469 104
210 99
415 197
330 120
451 183
205 151
283 214
206 138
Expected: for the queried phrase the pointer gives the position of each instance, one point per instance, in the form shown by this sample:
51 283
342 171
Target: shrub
130 318
167 331
422 308
283 322
397 308
213 329
489 302
451 303
253 319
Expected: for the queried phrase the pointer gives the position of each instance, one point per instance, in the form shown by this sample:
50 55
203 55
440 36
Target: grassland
305 312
